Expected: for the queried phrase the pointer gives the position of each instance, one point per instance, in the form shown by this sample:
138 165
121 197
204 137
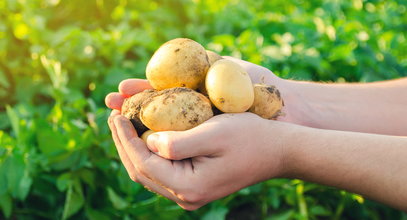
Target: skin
327 121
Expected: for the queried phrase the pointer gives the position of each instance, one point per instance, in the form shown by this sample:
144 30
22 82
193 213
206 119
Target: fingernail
152 141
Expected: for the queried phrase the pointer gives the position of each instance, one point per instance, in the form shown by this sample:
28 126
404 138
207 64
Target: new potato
267 101
212 57
178 63
175 109
229 87
178 67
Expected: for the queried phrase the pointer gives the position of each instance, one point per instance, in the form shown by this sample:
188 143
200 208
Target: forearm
369 107
368 164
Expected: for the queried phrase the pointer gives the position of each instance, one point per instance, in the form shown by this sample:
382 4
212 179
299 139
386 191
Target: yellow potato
146 134
175 109
267 101
178 63
229 87
212 57
131 109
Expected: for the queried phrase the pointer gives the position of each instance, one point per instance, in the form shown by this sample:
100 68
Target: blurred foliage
58 60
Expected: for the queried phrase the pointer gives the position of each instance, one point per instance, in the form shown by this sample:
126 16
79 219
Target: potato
131 109
229 87
175 109
146 134
178 63
267 101
213 57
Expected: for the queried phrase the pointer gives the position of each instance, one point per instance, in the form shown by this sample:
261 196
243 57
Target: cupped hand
193 167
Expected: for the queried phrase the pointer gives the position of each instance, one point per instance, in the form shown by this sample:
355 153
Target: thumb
178 145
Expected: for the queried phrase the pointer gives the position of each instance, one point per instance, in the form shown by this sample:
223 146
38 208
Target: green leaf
18 181
64 181
24 186
6 205
96 215
14 120
320 211
50 141
117 201
74 200
4 123
3 180
285 215
216 213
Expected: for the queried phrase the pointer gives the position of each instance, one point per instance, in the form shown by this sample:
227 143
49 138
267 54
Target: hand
294 103
258 74
193 167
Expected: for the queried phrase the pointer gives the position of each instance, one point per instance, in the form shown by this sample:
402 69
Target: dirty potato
267 101
175 109
131 109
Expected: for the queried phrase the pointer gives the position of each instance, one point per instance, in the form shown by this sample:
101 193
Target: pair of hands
193 167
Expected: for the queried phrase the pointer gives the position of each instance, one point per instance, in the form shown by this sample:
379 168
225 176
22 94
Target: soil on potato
131 109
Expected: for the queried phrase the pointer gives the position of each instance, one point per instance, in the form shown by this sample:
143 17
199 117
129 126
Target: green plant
58 60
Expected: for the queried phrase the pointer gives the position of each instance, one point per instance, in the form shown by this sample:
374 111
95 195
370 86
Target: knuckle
171 149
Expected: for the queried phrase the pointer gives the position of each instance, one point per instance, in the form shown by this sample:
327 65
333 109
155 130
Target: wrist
296 109
283 146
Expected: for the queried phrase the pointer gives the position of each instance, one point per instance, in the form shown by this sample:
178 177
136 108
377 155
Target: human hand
258 74
210 161
293 102
193 167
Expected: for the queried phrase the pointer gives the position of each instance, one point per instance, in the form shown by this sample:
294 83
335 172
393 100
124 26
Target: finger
179 145
114 100
130 87
161 190
148 164
140 178
122 153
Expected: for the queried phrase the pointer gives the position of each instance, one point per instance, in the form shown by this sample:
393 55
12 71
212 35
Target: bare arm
379 107
372 165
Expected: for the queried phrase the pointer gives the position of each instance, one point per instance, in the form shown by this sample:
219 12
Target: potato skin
175 109
229 87
212 57
267 101
131 109
180 62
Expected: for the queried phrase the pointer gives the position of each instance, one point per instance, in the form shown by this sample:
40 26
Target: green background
58 60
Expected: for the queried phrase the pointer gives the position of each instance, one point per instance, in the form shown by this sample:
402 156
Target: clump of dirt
131 109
